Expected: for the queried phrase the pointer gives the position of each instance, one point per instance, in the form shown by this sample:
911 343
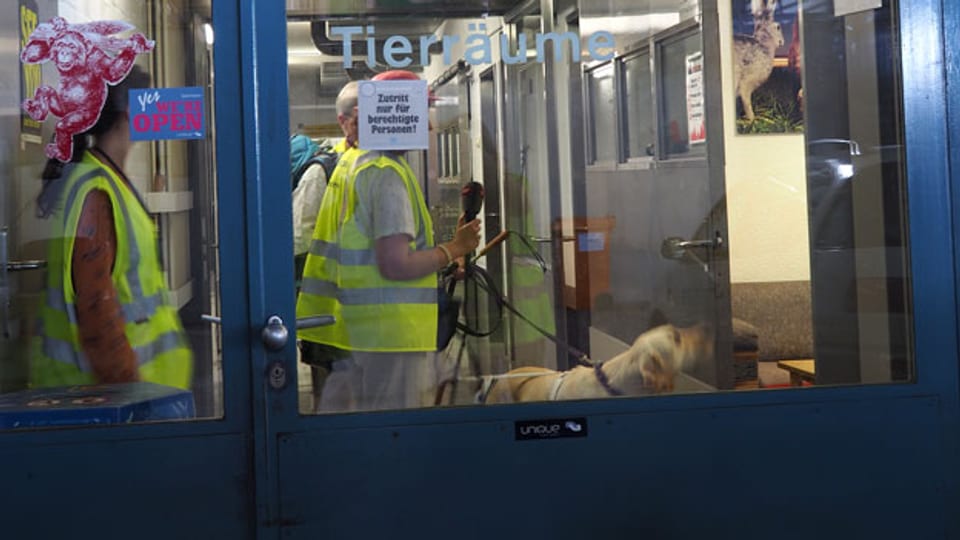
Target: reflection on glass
104 324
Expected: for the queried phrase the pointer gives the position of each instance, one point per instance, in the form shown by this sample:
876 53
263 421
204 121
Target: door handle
18 266
677 248
275 333
7 266
315 321
549 239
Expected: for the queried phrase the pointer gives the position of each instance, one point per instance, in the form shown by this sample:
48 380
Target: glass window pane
603 113
754 260
677 57
108 221
638 99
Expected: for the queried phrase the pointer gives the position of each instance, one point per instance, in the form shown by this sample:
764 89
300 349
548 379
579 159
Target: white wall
766 192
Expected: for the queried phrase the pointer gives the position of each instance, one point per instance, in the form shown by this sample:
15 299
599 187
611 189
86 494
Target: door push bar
7 266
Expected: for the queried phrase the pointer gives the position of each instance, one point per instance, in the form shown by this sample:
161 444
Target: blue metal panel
178 487
861 469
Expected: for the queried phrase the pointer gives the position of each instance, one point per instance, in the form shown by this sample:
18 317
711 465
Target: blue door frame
852 462
169 480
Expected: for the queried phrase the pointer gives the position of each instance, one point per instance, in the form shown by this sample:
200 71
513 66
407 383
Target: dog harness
605 382
557 383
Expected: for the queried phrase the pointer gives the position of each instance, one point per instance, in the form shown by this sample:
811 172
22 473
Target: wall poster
767 62
695 113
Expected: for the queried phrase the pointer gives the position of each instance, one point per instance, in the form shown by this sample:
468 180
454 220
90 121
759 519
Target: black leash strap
579 355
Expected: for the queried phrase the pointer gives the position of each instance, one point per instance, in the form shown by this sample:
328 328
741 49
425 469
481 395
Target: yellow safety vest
152 325
341 277
341 147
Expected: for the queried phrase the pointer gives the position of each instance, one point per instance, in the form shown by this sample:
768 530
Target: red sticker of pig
88 58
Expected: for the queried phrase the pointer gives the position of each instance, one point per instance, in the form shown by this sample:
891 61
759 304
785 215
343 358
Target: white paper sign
696 126
393 115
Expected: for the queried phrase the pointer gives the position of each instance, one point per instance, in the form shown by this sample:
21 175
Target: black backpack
327 158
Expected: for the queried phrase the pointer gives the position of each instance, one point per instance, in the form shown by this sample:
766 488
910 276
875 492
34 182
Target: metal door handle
549 239
316 321
677 248
17 266
306 322
274 334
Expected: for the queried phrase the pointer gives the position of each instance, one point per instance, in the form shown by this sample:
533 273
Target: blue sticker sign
167 113
591 241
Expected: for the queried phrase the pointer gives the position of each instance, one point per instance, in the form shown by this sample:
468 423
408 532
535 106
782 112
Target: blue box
95 404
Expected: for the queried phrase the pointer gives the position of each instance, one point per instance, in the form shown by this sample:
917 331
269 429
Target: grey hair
347 99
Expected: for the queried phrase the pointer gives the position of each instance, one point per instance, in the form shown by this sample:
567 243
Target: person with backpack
310 167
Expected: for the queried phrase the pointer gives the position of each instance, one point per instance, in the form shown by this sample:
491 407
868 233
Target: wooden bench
801 371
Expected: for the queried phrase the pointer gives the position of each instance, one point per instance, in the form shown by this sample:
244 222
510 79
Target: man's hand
466 239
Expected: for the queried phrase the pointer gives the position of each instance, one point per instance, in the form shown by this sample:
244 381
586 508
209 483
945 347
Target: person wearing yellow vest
318 356
105 315
373 265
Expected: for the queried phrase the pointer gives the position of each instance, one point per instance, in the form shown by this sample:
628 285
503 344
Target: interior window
600 89
638 101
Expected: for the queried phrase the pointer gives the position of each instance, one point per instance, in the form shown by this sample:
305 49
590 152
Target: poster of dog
767 61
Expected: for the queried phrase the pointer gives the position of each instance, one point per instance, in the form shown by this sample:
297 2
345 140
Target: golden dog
647 367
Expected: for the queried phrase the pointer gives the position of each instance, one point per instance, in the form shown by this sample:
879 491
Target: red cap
403 75
396 75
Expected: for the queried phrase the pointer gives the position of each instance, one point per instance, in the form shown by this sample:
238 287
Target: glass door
124 361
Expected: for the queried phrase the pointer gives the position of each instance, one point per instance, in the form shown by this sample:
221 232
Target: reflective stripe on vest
152 326
341 276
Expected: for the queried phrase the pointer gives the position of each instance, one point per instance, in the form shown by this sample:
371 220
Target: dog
649 366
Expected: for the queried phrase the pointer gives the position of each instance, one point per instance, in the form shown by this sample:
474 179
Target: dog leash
572 351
